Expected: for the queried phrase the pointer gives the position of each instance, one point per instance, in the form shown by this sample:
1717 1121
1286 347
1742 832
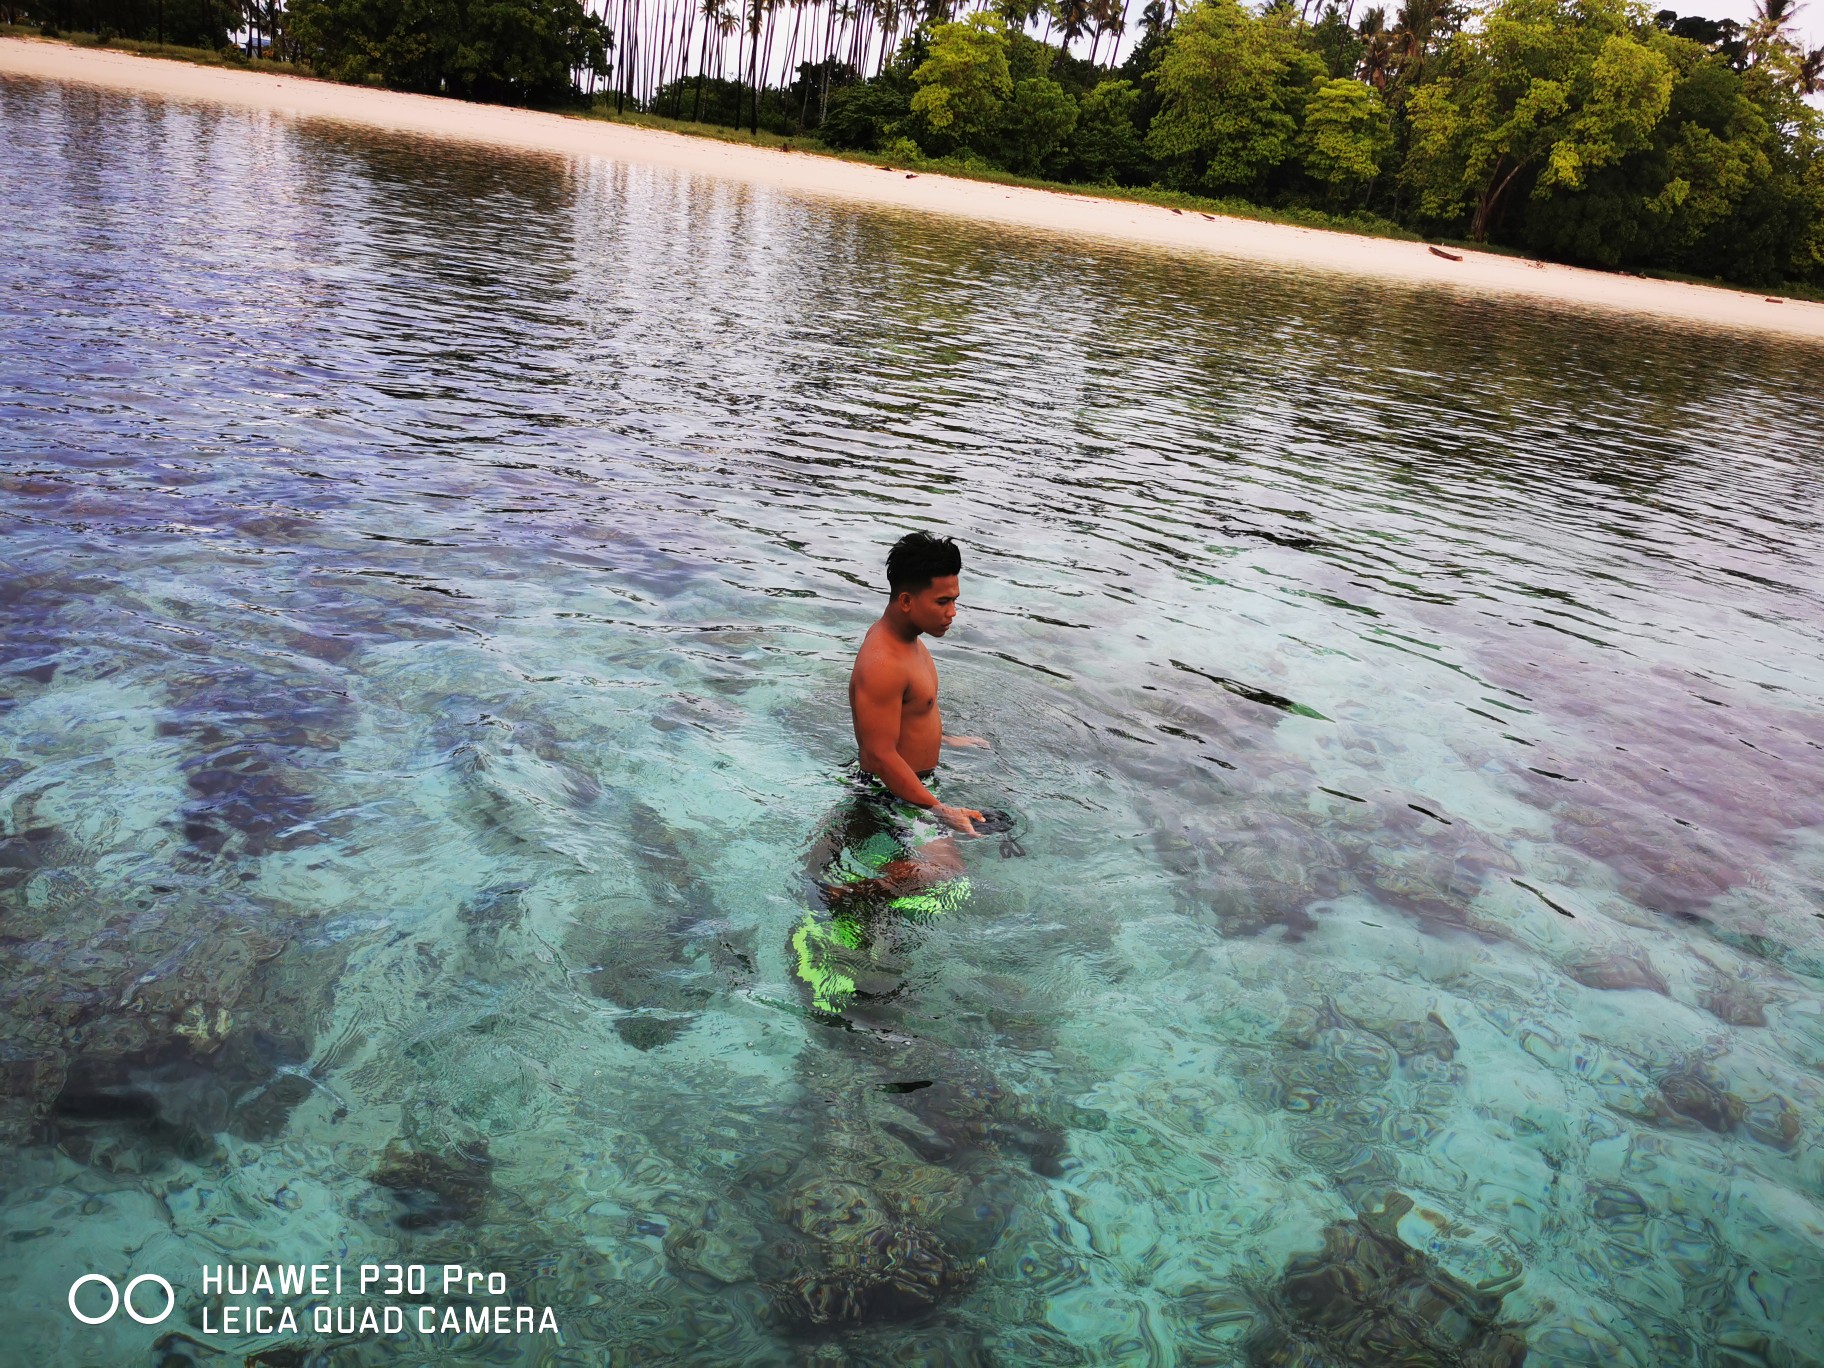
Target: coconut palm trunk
677 94
740 52
791 46
712 23
762 13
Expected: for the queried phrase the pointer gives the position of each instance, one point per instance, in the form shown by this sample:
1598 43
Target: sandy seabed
1075 216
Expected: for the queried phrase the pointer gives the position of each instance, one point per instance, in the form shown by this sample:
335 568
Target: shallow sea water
430 577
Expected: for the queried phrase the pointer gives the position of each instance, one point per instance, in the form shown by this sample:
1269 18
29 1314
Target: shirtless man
893 687
887 853
893 700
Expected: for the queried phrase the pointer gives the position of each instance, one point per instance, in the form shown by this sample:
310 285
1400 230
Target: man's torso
920 726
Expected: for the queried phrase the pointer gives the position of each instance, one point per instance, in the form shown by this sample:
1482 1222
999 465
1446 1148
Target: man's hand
967 742
956 818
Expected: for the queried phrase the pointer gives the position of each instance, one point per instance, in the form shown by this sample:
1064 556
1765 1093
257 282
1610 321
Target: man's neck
900 626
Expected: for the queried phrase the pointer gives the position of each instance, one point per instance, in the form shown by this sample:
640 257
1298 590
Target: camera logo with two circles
118 1298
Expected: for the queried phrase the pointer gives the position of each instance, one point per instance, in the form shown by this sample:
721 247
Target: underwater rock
173 1098
1255 874
159 1024
675 953
237 789
1683 799
24 852
1623 1213
1735 1000
834 1237
1773 1121
1618 970
37 632
882 1231
1431 877
492 913
1367 1297
638 966
649 1032
249 735
1366 1177
882 1271
958 1116
1049 1267
870 1199
263 1116
1408 1038
1696 1092
131 1120
707 1238
36 674
435 1188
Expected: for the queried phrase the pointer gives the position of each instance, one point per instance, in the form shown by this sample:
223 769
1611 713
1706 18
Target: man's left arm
967 742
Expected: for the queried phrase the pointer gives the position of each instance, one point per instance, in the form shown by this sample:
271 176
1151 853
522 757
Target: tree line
1588 131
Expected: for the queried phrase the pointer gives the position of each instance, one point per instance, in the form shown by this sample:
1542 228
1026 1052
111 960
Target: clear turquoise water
429 582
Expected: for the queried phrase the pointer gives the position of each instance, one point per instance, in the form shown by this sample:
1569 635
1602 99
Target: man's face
933 608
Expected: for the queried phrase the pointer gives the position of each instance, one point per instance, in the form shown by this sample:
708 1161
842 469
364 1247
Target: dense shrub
509 51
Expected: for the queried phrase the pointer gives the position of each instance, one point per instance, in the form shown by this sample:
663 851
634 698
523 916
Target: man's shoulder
880 655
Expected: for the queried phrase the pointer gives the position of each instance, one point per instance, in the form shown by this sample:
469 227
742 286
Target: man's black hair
918 558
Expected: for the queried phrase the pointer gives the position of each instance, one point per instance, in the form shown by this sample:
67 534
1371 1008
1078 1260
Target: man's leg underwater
878 875
936 862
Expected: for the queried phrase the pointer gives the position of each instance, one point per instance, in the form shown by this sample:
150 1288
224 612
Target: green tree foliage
806 99
1548 90
1347 136
1723 36
963 85
508 51
727 102
1028 59
1143 61
1232 89
862 117
1039 119
1106 148
1338 46
191 23
1662 202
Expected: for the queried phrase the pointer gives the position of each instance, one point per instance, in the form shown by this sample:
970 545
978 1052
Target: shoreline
1119 222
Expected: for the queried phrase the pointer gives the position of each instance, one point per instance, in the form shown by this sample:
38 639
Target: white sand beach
1076 216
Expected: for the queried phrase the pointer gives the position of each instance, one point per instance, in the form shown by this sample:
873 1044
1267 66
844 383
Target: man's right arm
879 698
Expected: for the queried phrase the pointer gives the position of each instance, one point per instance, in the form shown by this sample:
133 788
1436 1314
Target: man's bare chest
921 686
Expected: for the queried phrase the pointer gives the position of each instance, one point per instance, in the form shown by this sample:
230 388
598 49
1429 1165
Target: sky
1808 26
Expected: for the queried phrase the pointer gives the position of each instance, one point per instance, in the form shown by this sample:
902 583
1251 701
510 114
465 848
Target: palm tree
839 9
717 20
1109 16
1418 30
1772 21
1073 18
1377 48
1811 72
1411 33
887 19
